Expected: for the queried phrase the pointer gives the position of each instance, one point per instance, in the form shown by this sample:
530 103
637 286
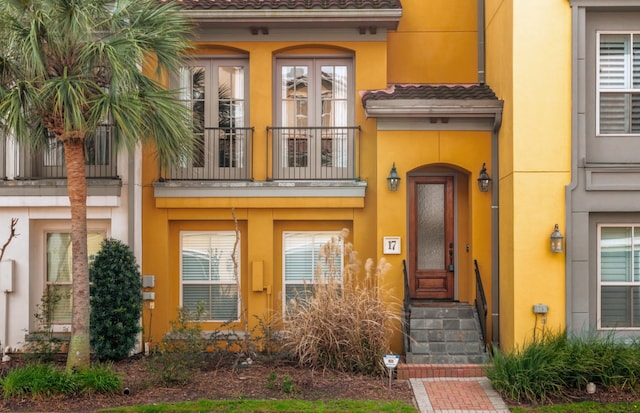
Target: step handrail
481 305
406 328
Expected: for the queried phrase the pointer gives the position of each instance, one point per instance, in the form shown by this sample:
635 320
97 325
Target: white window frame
600 283
57 325
231 235
627 88
312 278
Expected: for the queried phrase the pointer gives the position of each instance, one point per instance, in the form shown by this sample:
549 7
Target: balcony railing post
314 153
220 154
293 153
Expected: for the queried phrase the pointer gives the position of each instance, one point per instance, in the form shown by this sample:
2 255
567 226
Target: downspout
577 18
5 335
131 210
134 227
481 43
495 234
495 172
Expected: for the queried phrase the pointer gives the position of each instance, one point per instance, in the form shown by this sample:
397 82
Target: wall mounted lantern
556 240
393 180
484 180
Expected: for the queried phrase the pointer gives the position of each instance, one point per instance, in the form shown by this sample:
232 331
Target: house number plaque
391 245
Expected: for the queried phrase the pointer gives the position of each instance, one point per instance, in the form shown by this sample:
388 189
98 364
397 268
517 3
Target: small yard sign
391 361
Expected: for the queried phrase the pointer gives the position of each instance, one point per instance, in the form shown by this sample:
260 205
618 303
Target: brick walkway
457 395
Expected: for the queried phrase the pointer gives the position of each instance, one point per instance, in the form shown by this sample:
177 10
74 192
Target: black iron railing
218 154
481 304
312 153
406 322
49 162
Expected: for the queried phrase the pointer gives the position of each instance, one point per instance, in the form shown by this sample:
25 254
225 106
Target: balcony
219 154
36 174
313 153
49 162
310 162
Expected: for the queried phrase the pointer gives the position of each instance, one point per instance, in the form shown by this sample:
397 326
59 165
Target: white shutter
614 61
614 64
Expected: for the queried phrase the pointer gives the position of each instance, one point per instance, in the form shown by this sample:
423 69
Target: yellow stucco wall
261 220
530 69
463 152
436 42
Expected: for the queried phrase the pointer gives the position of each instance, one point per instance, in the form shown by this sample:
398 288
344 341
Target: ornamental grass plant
557 364
40 380
346 320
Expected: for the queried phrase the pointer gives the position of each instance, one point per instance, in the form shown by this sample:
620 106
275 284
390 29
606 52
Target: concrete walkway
457 395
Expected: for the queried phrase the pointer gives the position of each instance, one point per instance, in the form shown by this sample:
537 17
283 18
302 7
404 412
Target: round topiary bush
116 301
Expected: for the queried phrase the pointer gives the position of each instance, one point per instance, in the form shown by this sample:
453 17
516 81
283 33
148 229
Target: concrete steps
445 333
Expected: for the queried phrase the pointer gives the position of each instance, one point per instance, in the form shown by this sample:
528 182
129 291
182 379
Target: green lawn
275 406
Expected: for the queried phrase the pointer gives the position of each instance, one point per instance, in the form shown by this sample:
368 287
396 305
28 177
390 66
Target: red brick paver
457 395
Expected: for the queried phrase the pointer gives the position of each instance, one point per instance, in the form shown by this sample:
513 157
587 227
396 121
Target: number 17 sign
391 245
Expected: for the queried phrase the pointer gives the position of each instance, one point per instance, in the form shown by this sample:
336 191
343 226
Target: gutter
382 18
495 194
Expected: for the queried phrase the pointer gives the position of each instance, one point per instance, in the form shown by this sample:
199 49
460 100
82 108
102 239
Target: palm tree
66 66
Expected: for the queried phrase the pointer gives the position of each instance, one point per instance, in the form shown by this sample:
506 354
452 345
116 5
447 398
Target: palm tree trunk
79 347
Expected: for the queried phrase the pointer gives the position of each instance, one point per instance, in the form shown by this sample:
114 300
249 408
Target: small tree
116 301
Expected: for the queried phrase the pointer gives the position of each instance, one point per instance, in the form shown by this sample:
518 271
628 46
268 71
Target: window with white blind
59 274
618 83
303 266
619 276
207 274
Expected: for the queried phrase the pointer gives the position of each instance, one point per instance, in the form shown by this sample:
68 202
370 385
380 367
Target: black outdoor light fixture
556 240
484 180
393 180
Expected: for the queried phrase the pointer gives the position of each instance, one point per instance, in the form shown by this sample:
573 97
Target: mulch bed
260 380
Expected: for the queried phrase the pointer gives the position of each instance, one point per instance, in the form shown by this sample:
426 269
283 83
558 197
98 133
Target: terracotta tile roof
288 4
432 101
432 92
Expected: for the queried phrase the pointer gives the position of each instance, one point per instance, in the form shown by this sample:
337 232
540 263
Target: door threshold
433 303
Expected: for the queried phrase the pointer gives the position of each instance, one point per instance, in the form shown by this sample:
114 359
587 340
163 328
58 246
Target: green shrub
532 374
268 339
605 361
44 380
42 345
36 380
116 301
287 386
342 325
181 351
98 379
556 363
